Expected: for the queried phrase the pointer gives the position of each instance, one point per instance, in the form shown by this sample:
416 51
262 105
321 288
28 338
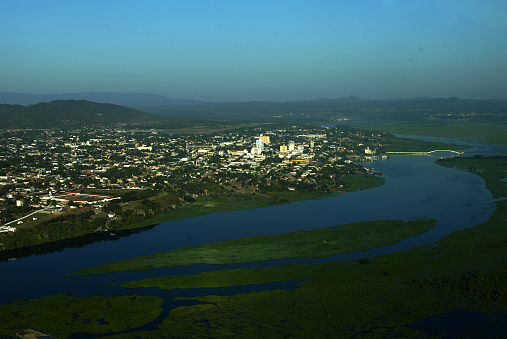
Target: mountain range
123 99
18 112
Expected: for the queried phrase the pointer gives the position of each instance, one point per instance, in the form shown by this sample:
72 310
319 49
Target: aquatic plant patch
322 242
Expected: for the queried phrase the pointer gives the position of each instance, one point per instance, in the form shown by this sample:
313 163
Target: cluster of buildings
78 199
5 229
37 166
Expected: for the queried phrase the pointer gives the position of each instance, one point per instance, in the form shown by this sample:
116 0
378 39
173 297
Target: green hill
71 113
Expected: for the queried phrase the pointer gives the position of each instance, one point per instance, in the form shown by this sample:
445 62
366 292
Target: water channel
415 188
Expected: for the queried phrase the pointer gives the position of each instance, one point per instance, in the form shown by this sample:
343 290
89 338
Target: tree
72 204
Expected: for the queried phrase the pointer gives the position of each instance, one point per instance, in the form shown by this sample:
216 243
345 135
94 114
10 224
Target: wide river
415 188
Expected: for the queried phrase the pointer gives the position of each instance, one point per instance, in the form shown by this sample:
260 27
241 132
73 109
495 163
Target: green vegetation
85 221
322 242
61 315
492 169
360 182
61 227
71 114
413 145
480 132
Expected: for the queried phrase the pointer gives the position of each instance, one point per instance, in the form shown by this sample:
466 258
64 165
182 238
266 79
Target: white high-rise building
259 144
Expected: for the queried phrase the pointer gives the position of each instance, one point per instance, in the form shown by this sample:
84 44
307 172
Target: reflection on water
60 245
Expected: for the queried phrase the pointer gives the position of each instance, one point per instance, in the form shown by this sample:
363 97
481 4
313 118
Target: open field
480 132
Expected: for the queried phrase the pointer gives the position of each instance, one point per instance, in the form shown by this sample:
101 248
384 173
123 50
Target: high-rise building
265 139
291 146
259 144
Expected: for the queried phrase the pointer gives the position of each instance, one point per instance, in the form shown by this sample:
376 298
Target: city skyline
242 51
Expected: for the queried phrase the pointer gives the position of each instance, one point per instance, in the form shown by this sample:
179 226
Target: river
415 188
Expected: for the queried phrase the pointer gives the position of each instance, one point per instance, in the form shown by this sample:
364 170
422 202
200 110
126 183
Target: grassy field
480 132
322 242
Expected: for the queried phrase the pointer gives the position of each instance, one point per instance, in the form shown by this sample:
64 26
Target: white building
369 151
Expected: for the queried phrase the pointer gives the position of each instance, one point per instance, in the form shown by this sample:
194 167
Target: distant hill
70 113
351 109
123 99
183 112
350 98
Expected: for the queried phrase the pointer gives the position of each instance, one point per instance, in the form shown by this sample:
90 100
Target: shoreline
203 206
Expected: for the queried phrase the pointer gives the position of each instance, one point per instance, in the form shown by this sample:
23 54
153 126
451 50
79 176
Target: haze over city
256 50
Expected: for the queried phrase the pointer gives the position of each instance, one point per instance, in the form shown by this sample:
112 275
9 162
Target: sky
242 50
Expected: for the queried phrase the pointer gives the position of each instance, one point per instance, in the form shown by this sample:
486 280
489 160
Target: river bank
29 241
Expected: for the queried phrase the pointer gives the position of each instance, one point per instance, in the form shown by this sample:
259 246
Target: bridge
427 153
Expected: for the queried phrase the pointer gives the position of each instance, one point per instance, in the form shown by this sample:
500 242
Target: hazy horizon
230 101
221 51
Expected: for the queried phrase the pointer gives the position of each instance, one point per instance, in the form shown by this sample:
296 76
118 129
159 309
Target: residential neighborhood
53 171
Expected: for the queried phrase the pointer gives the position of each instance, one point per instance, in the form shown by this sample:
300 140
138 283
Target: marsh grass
322 242
61 315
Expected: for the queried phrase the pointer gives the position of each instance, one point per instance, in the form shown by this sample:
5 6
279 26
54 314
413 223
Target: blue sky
256 50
